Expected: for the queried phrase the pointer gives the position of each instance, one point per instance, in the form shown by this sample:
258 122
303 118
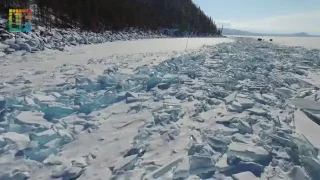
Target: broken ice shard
235 107
182 171
21 141
231 97
257 111
244 127
87 108
153 82
56 111
108 99
297 173
125 164
249 153
284 92
44 137
2 102
64 172
217 143
53 160
73 173
245 176
201 164
3 142
32 118
56 95
245 103
312 165
169 79
304 146
181 95
107 81
163 86
163 170
42 97
306 104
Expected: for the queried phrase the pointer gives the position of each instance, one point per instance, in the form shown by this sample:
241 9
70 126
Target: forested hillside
99 15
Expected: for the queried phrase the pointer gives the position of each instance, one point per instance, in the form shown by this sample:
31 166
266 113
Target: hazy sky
277 16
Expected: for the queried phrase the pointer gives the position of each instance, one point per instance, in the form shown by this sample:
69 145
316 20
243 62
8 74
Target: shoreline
58 39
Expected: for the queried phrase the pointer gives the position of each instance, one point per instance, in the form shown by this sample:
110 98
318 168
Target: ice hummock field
235 110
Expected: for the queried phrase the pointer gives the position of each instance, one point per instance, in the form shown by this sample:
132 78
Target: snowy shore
223 112
60 39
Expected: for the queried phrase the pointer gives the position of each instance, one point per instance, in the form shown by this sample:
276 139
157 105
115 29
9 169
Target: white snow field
307 42
151 109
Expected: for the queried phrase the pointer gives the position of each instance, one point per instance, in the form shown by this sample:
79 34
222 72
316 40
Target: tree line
100 15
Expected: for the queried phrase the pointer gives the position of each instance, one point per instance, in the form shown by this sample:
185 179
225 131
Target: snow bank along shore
231 111
60 39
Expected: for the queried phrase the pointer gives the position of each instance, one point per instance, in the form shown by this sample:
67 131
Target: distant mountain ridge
228 31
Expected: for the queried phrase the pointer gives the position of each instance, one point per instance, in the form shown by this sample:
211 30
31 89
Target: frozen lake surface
150 109
152 45
307 42
134 53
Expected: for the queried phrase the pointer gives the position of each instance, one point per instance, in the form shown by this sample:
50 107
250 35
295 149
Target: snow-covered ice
150 109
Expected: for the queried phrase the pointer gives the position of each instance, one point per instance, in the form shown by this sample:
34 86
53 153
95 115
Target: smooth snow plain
306 42
159 109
